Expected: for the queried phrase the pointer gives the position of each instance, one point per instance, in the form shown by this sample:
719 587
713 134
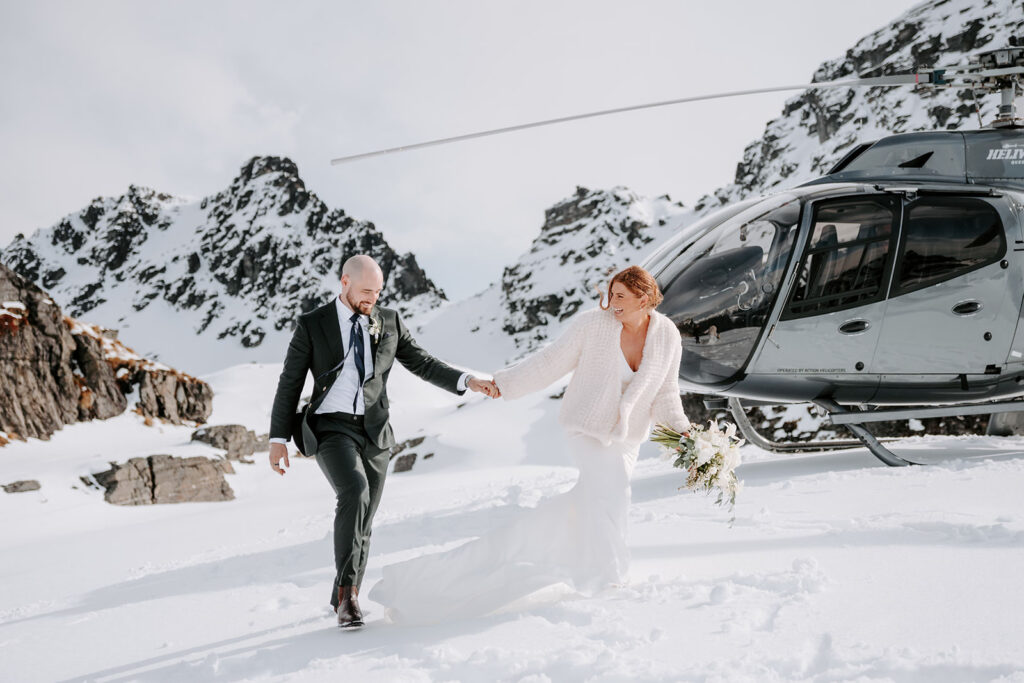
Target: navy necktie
355 345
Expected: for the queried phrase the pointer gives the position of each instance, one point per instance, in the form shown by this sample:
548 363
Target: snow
837 567
13 309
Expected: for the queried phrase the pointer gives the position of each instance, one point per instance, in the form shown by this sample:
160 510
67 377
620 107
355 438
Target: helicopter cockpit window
944 237
912 155
720 291
846 256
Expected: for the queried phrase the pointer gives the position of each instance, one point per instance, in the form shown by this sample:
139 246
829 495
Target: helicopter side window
945 237
846 257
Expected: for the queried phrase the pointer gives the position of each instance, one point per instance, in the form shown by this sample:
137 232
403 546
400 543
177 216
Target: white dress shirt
346 388
346 391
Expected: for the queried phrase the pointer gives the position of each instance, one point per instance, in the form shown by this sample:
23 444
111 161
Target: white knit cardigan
594 403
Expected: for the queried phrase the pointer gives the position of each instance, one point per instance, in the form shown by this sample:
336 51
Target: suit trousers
355 468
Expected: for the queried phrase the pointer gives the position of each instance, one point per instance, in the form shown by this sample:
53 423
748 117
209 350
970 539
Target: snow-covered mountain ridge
240 264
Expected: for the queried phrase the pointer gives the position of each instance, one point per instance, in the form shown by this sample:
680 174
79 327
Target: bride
624 357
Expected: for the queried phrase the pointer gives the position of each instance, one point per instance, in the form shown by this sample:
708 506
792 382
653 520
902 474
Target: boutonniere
375 329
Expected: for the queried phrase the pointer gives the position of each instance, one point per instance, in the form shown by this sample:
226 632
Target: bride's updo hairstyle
638 281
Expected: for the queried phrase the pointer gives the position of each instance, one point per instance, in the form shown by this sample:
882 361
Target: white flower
705 451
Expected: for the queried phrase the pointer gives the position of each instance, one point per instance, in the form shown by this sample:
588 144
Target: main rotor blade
902 79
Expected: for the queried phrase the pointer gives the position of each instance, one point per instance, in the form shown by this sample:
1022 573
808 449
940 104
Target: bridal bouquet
709 456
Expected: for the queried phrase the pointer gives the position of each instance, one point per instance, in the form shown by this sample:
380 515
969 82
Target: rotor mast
1000 70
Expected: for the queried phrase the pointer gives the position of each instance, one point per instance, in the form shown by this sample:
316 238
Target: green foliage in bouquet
709 455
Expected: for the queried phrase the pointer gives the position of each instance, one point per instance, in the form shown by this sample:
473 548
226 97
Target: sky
177 96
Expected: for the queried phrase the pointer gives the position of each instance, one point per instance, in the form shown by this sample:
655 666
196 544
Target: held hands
278 452
484 387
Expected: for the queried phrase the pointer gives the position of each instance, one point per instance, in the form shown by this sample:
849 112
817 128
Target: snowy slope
837 568
204 284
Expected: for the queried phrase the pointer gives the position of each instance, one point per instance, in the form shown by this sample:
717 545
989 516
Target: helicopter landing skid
864 437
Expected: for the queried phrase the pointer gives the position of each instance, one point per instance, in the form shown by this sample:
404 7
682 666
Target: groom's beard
359 307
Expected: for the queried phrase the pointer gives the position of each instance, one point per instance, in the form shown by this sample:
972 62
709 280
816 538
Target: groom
350 345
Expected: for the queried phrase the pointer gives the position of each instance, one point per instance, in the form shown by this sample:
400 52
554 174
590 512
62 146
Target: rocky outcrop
21 486
237 441
405 453
102 396
171 395
161 392
40 391
55 370
238 265
159 479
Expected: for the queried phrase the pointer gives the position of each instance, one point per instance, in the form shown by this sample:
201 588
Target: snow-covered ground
837 568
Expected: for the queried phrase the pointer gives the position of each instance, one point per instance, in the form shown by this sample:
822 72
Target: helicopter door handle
854 326
967 307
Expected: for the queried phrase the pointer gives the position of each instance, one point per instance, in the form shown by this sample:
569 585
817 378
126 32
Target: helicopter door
831 321
952 310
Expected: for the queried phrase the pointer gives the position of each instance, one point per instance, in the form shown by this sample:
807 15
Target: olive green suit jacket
316 347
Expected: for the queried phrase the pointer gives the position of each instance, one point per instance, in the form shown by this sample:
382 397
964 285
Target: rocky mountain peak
240 264
585 238
262 165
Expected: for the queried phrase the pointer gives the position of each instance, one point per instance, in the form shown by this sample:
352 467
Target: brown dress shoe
349 614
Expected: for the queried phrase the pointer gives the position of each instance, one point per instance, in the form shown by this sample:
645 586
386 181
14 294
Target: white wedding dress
577 537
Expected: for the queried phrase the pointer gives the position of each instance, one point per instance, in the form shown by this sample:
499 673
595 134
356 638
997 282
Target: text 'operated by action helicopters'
890 288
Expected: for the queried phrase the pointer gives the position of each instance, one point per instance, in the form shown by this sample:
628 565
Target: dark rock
158 479
408 443
404 463
238 441
172 395
101 396
22 486
128 484
39 393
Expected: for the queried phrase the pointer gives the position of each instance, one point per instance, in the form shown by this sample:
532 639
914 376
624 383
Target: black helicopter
896 279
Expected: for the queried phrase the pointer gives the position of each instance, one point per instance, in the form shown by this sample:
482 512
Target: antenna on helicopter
989 71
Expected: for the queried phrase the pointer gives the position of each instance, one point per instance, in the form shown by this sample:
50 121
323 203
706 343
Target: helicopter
889 288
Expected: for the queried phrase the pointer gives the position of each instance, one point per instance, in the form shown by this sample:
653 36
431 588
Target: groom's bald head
360 264
361 282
